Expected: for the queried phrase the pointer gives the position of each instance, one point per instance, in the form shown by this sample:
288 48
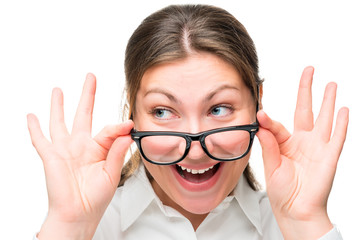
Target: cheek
154 170
163 183
233 172
161 174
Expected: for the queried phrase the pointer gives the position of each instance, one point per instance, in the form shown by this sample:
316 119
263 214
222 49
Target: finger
270 151
277 129
324 121
107 136
57 123
38 139
304 119
116 156
340 131
83 116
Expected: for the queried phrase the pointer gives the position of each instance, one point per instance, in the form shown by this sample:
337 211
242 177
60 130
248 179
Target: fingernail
89 76
127 121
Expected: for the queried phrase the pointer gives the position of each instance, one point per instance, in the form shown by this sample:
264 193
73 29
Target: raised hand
300 167
82 173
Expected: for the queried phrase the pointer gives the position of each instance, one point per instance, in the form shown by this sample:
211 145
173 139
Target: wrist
305 229
54 229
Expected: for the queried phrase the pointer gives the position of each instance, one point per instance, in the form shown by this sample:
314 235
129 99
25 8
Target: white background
46 44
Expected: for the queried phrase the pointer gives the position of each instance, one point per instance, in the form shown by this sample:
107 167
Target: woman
194 93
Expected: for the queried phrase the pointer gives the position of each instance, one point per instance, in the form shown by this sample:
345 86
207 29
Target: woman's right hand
82 172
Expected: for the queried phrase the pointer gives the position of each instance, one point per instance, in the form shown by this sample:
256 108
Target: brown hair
176 32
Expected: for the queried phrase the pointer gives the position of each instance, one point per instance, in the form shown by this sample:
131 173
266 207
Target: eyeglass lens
163 149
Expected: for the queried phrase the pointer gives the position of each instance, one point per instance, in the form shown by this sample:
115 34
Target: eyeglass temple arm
257 101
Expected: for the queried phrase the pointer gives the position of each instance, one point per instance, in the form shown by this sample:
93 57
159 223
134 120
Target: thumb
108 134
270 151
277 129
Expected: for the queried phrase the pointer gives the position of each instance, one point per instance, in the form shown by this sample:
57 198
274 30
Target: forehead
199 72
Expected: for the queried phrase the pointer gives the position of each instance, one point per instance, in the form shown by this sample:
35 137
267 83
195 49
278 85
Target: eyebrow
207 98
217 90
164 92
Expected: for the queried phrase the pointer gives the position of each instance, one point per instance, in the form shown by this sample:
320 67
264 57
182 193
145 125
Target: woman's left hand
300 167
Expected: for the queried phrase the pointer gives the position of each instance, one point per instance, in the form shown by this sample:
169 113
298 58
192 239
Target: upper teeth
194 171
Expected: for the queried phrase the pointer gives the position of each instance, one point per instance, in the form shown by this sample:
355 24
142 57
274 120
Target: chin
200 206
195 193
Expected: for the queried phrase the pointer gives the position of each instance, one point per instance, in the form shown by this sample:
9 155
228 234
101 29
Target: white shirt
137 213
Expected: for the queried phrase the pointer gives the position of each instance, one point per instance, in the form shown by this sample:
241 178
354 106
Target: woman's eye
161 113
221 111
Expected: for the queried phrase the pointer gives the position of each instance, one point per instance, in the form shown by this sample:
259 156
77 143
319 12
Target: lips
197 181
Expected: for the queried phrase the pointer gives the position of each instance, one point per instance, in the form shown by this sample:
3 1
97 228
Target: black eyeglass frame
252 129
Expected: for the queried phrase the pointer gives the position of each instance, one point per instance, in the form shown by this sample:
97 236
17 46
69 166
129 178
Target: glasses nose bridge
197 137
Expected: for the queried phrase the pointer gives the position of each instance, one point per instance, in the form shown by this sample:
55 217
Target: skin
299 167
180 91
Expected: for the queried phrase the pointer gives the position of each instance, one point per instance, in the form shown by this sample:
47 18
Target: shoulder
257 208
264 204
269 225
129 202
108 227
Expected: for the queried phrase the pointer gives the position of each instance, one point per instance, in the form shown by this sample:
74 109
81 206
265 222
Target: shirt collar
248 200
138 194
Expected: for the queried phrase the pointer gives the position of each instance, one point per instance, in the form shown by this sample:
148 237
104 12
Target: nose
196 151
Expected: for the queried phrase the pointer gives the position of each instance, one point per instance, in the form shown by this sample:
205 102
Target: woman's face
192 95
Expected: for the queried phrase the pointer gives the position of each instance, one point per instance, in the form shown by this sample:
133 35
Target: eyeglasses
221 144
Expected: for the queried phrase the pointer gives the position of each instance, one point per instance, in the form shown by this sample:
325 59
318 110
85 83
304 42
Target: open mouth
197 176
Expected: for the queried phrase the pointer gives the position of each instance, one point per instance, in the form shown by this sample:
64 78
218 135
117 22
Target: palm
77 169
82 172
302 179
300 168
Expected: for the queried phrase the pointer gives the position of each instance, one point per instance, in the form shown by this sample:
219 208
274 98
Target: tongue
198 178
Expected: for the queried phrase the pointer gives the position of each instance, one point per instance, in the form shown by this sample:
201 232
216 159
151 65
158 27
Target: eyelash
155 110
228 107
